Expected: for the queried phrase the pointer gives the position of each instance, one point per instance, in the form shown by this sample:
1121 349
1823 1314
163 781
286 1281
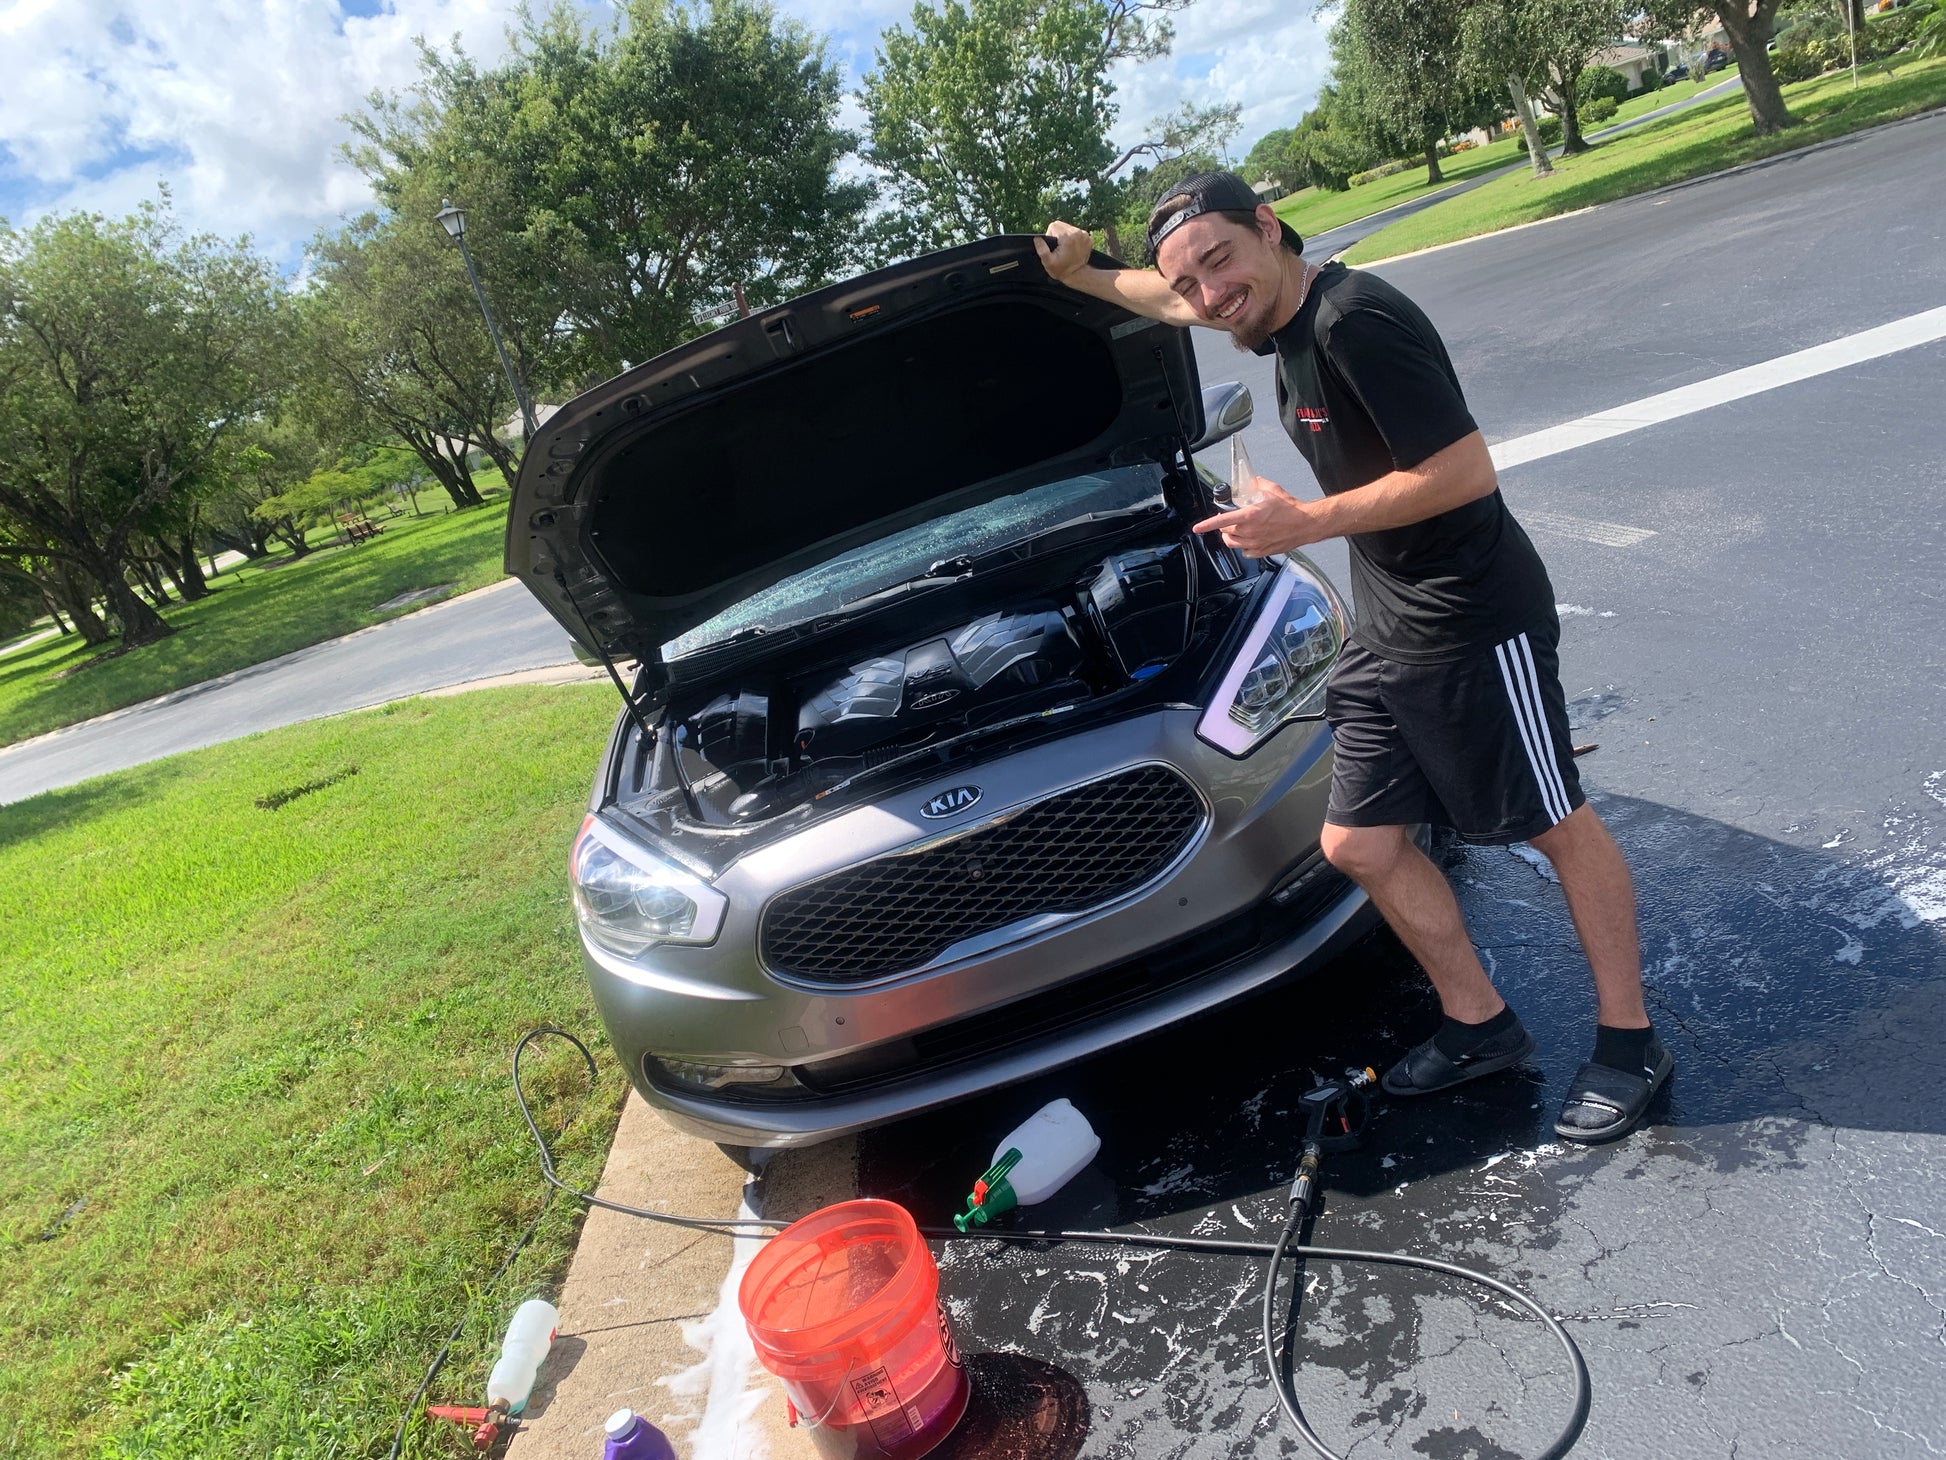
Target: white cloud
1257 54
238 104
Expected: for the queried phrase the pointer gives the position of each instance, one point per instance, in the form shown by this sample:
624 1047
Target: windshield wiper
946 570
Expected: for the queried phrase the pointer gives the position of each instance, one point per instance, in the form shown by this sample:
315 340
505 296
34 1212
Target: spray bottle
528 1339
1045 1153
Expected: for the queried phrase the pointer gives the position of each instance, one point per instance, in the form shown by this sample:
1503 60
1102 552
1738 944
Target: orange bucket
843 1306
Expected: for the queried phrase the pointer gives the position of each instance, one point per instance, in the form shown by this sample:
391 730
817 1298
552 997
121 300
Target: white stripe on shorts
1540 726
1517 672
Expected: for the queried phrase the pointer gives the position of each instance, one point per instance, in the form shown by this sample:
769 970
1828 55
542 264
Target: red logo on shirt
1311 416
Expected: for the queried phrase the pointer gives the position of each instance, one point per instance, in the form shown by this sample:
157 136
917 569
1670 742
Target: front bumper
1017 1005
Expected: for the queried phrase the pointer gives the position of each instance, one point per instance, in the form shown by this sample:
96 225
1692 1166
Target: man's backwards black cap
1209 192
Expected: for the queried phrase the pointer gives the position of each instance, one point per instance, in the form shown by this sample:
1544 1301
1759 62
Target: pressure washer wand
1334 1120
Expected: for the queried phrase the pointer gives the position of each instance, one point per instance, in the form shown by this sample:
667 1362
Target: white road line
1608 534
1685 400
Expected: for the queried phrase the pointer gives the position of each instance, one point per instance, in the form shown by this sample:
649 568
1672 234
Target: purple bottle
630 1437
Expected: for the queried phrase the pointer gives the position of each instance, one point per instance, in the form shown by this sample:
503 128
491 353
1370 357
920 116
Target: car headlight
1279 674
628 900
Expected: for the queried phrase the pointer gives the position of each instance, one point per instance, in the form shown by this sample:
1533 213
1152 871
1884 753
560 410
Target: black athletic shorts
1480 744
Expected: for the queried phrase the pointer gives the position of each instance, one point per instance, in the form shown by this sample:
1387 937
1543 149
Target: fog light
741 1075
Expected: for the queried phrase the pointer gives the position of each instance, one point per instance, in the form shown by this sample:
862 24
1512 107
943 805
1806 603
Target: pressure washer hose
1284 1247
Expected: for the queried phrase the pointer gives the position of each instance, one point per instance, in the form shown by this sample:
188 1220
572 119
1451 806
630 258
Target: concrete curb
1689 182
648 1318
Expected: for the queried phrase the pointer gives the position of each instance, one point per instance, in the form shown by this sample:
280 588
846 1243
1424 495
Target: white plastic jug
529 1337
1039 1157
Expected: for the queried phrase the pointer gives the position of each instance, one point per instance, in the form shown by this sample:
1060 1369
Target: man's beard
1249 334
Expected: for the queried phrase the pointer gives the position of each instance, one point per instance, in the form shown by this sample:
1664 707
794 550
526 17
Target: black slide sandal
1427 1069
1619 1096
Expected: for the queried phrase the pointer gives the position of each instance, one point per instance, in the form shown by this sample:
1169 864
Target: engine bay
787 733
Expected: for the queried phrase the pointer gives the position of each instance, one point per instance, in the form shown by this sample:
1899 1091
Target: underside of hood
651 503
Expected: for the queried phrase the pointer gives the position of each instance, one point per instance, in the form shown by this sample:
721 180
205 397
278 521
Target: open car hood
651 503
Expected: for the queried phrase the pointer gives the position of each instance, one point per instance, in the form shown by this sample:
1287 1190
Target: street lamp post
453 220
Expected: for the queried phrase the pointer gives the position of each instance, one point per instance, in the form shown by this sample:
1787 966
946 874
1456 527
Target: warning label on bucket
878 1404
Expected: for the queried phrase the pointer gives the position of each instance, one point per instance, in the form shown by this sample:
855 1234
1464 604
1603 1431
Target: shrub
1794 63
1651 81
1601 81
1549 128
1601 109
1384 169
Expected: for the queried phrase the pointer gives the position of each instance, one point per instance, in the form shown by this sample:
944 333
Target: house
1631 60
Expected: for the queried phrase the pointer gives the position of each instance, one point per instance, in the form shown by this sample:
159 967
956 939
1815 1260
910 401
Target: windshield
903 555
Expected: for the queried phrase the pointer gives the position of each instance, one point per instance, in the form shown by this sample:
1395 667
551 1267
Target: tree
618 183
128 355
1266 161
1749 24
1509 42
1401 66
991 116
267 458
394 346
1562 36
1329 143
1543 47
1183 144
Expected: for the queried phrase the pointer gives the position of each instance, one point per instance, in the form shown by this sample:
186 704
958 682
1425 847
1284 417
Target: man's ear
1269 224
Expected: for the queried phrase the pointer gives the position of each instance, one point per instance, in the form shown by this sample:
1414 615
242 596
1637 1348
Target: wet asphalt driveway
1758 654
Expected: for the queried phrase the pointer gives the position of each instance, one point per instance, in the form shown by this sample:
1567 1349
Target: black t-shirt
1365 387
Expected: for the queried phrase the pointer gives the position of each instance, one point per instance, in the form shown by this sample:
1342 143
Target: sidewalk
649 1318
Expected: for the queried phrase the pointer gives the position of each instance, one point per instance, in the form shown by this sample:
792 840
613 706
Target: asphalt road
1762 1272
498 630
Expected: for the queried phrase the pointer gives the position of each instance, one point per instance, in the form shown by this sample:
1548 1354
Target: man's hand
1276 523
1074 247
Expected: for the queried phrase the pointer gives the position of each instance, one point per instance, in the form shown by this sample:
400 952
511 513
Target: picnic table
357 527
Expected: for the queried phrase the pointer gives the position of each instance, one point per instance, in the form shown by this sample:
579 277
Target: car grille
1066 854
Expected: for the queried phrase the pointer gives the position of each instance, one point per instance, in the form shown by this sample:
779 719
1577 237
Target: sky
238 105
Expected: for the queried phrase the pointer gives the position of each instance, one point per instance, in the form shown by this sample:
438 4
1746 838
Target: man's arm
1449 478
1139 291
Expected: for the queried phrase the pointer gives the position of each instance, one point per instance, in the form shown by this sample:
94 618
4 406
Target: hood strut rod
633 710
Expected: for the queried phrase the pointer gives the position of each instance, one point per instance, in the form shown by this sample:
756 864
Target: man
1446 705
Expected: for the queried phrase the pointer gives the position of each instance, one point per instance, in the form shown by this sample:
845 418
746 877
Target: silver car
950 754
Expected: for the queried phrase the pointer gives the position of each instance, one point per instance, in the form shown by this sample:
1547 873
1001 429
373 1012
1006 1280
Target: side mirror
1227 409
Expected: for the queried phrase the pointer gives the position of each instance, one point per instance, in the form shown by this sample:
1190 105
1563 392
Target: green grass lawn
1704 139
257 1145
253 614
1311 210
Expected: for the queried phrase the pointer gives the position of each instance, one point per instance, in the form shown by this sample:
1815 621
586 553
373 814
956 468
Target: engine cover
1142 601
961 675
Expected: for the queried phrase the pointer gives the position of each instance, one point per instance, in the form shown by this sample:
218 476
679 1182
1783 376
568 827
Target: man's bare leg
1418 902
1601 899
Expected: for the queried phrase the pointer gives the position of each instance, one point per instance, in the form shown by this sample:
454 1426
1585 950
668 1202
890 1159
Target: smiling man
1446 705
